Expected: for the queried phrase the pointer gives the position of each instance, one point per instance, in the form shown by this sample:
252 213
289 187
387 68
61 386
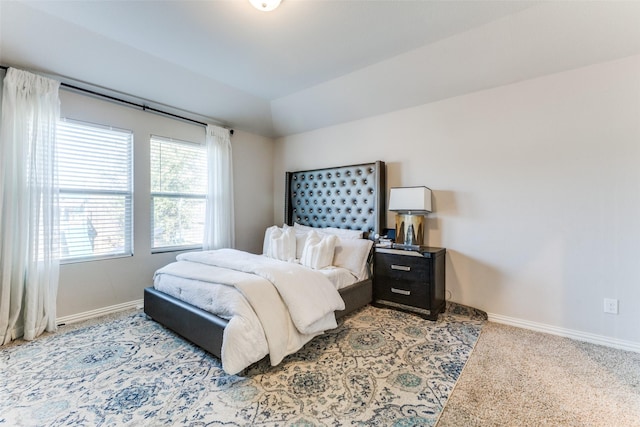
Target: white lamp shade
410 199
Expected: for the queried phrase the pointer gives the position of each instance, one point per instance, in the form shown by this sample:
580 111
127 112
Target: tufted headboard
351 197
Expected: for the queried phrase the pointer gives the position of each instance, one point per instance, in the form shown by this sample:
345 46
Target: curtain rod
143 107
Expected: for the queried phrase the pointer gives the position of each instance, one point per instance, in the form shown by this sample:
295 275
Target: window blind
178 193
95 179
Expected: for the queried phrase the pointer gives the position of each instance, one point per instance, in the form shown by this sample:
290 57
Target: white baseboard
569 333
99 312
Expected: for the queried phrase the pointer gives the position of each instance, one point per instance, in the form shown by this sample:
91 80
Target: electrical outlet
611 305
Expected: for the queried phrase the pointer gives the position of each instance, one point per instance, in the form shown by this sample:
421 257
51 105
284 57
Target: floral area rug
378 368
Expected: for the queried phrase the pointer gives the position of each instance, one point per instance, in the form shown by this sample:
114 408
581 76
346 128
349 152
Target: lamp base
409 229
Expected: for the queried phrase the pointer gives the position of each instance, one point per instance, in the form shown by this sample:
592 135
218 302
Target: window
178 193
95 178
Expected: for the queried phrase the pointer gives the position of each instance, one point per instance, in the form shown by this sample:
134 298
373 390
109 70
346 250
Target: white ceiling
310 63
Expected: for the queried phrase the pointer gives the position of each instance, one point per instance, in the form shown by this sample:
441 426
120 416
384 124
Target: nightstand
410 280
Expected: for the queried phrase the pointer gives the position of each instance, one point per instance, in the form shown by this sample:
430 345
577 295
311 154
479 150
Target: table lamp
411 204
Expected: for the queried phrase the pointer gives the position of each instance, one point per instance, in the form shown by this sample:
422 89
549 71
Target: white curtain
219 228
29 256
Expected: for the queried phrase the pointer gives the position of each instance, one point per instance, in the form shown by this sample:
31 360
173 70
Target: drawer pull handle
400 291
400 267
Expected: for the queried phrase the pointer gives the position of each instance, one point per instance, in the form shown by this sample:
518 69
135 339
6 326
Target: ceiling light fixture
265 5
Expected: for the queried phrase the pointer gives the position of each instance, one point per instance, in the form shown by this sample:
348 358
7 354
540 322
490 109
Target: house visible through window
95 178
178 193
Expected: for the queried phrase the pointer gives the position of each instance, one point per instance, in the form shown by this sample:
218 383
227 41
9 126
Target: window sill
176 249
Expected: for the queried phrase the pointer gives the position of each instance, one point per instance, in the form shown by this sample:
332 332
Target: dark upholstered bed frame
351 197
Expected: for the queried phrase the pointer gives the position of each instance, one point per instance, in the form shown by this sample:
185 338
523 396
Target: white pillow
301 236
304 228
340 232
282 244
267 239
343 233
352 254
318 250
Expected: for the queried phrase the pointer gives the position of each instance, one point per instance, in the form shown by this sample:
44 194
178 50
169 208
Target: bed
346 197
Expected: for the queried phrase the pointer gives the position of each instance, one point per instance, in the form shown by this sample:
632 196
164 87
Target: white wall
253 188
536 191
95 285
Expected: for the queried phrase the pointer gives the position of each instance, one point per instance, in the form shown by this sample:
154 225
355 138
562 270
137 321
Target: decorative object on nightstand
410 280
410 205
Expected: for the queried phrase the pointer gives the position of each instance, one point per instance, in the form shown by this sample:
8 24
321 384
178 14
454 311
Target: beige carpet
517 377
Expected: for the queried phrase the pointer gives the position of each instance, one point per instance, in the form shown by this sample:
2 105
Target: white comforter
293 304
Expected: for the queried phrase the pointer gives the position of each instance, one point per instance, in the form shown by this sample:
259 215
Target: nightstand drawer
403 292
402 267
